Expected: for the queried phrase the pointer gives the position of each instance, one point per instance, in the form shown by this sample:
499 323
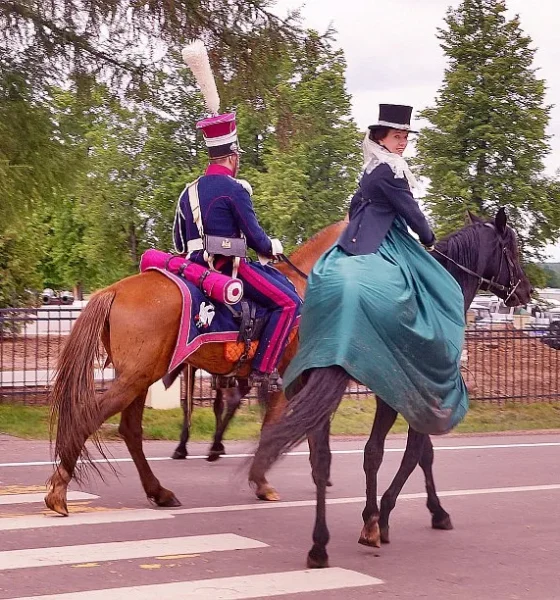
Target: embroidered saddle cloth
205 319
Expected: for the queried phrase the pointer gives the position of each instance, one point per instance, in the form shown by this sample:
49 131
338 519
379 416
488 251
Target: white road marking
230 588
88 553
33 498
95 518
42 463
122 516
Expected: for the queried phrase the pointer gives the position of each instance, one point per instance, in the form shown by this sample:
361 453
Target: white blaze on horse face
206 313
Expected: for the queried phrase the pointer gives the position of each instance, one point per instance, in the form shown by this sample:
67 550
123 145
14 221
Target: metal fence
500 363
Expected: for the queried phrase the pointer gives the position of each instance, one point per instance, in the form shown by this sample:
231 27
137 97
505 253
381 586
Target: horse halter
491 283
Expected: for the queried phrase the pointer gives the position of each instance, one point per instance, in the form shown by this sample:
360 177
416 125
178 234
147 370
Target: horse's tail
73 405
307 411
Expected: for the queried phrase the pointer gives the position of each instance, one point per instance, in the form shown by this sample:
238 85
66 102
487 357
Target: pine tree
486 142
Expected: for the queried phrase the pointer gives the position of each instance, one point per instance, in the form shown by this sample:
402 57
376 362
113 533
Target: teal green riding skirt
394 320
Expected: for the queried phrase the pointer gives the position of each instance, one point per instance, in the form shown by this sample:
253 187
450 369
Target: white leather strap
194 203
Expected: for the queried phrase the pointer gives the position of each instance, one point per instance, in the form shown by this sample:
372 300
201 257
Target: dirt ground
509 364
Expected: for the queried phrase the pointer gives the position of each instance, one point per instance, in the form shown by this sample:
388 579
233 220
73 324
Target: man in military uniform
220 205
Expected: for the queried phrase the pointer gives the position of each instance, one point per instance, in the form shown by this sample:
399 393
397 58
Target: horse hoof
317 559
214 455
329 483
58 507
167 499
268 494
179 455
370 535
443 523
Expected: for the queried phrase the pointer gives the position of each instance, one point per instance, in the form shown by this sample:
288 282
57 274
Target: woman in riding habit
379 305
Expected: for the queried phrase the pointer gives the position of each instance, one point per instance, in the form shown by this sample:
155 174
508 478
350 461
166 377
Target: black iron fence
500 362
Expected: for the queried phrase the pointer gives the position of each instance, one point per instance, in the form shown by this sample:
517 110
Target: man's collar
213 169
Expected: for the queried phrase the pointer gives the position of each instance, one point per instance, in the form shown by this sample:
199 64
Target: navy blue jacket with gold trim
380 198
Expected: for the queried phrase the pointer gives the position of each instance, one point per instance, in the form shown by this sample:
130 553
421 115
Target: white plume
195 57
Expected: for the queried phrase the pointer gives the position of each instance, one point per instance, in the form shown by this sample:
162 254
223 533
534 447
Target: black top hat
395 116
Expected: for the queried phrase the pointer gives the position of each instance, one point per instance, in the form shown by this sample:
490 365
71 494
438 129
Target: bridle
491 284
286 260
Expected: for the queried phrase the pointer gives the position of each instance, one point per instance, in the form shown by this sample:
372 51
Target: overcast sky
393 54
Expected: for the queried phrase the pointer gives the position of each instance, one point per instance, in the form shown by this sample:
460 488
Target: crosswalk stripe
33 498
230 588
87 553
109 516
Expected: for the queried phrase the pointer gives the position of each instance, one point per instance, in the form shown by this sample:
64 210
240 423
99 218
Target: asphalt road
503 494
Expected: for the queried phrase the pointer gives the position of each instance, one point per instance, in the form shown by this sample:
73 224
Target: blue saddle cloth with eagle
204 320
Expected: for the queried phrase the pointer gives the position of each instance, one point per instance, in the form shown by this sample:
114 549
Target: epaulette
245 185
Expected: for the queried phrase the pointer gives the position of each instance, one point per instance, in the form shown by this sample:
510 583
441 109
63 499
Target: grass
354 417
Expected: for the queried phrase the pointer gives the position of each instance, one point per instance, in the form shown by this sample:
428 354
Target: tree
311 161
131 41
486 141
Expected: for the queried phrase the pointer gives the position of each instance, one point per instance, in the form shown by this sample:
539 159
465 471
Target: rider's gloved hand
430 245
276 247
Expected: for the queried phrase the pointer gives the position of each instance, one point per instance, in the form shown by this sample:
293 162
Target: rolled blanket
217 286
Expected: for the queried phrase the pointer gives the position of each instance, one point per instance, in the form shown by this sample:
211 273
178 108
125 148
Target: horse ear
472 219
500 220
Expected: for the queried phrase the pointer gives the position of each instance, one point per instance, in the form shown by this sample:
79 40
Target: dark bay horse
137 321
481 255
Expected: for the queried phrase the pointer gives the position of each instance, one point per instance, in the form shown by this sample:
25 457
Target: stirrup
275 382
267 382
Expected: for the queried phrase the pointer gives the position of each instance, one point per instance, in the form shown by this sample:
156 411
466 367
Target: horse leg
385 417
233 401
181 450
275 405
412 454
217 448
131 430
320 455
440 517
121 393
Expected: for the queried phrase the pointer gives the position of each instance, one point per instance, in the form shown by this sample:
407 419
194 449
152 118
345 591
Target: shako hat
220 130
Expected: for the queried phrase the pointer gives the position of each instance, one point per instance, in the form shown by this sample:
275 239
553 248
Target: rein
285 259
490 283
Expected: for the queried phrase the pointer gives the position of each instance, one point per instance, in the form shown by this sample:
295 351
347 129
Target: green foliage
130 43
311 163
18 276
92 175
552 276
486 142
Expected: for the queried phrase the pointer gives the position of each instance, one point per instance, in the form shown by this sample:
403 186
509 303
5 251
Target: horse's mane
463 245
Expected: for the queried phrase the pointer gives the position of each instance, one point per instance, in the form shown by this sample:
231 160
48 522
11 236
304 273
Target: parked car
53 297
552 338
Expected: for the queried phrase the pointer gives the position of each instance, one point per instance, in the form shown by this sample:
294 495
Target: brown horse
483 254
137 320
